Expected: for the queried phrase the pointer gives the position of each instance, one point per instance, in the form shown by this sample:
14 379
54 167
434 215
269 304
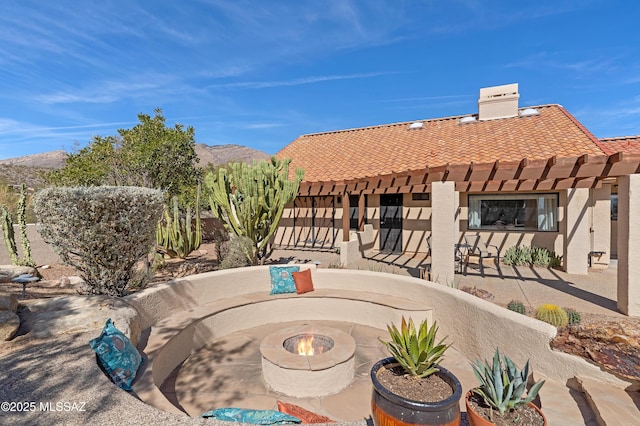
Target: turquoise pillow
117 355
282 280
255 417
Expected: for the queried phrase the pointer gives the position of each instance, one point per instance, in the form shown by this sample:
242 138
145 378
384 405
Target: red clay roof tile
626 144
356 153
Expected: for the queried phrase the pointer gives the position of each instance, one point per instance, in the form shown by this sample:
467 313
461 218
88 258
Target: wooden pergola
584 171
555 173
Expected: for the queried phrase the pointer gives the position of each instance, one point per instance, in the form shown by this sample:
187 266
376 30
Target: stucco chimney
498 102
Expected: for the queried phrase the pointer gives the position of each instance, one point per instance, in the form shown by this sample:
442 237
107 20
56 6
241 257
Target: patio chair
477 247
460 256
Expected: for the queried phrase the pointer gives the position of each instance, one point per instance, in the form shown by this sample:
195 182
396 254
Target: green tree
93 165
150 154
250 199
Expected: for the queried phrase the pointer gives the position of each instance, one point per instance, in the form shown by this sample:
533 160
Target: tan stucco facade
584 227
629 245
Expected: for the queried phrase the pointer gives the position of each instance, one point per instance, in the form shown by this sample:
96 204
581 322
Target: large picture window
517 212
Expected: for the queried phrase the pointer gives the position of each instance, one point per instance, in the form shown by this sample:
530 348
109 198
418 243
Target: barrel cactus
573 315
552 314
517 306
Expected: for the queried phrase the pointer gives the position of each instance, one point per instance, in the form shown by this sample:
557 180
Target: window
517 212
420 196
614 206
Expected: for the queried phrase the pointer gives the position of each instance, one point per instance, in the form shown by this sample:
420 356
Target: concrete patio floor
227 373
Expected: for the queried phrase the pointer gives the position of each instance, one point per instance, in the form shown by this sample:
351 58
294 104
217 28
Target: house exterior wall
629 245
416 224
284 236
577 241
585 216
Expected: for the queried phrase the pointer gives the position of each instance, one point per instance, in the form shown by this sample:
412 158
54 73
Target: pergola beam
551 174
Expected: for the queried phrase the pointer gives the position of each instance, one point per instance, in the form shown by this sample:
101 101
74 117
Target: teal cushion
282 280
117 355
255 417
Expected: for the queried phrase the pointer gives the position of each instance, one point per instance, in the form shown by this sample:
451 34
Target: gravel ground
63 381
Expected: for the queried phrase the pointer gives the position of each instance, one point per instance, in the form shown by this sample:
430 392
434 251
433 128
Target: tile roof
626 144
378 150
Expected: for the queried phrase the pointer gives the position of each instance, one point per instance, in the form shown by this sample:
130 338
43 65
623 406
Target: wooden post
345 217
361 212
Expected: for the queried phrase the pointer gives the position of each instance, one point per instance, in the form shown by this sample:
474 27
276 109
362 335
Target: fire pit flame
308 344
306 348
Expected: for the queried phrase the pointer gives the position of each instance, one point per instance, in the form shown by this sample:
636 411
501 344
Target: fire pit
306 361
308 344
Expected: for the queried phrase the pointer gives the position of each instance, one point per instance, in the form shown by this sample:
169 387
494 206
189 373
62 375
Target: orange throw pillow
306 416
303 281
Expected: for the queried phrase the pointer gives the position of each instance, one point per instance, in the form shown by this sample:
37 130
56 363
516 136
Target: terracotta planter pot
476 420
389 409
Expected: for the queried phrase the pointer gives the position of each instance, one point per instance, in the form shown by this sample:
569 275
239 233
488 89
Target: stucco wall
474 326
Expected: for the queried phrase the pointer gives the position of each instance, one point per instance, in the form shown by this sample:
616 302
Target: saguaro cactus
250 199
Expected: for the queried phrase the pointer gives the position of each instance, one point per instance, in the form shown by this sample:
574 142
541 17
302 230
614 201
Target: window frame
538 196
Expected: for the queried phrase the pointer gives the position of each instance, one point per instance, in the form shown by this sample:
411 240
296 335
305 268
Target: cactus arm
9 236
250 199
22 221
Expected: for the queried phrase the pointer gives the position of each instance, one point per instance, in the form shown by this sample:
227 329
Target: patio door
391 223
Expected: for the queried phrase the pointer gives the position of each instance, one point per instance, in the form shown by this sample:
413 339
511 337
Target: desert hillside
29 169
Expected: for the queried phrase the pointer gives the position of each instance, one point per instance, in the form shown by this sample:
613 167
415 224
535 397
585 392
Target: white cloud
295 81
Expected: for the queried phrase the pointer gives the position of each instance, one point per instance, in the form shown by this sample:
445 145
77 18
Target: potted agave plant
501 399
411 387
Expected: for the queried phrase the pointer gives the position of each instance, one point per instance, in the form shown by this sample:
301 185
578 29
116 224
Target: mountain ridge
29 168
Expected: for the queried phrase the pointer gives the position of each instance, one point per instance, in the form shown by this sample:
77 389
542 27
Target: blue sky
261 73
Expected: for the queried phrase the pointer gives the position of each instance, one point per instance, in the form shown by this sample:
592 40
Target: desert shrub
517 306
527 256
220 238
102 231
236 253
573 315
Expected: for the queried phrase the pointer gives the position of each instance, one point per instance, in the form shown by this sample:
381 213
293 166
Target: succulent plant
502 385
573 315
552 314
517 306
178 236
416 349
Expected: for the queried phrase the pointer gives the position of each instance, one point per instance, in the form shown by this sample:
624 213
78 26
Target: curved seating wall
186 313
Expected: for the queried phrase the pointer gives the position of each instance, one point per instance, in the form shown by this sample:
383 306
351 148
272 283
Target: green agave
415 349
502 385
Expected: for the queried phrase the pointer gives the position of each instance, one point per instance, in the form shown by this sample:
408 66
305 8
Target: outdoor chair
477 247
460 256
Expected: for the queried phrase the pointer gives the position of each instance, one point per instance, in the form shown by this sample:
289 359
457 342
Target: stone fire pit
324 367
